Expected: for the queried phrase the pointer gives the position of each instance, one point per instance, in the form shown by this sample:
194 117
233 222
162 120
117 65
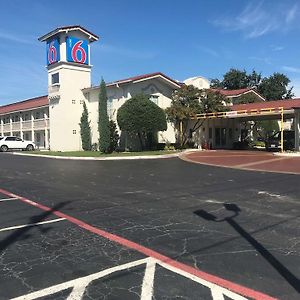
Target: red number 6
77 48
52 53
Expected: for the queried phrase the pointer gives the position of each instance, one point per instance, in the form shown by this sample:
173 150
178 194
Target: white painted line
31 225
216 291
147 288
8 199
79 284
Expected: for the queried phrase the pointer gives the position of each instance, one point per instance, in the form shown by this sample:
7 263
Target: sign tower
69 71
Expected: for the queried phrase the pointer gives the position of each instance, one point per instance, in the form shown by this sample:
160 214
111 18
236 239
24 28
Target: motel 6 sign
53 54
77 50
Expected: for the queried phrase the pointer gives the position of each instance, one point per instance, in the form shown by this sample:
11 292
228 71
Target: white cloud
277 48
291 69
257 19
209 51
291 13
29 40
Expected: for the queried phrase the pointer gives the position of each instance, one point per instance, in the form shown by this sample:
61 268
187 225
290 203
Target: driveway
246 160
160 229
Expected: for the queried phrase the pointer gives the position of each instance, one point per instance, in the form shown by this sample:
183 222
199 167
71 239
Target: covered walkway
225 126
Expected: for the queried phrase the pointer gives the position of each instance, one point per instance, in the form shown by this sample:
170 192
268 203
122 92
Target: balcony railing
39 124
6 127
53 88
26 125
16 126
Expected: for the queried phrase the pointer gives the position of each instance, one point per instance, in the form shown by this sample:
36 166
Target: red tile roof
286 104
233 92
24 105
140 77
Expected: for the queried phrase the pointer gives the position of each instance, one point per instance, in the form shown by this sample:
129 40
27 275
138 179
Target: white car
14 142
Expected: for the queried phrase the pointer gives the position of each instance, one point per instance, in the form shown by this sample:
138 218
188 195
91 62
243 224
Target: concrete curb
100 158
289 154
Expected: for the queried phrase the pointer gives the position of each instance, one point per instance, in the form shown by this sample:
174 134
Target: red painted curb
149 252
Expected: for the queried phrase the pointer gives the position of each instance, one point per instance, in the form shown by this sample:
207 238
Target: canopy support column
297 129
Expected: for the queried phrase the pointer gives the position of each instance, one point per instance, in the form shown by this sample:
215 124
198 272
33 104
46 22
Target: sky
182 39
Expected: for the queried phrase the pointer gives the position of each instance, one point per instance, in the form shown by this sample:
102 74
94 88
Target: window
37 115
74 131
55 78
73 101
154 99
15 118
11 138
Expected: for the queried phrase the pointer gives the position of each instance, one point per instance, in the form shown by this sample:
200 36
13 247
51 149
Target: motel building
52 121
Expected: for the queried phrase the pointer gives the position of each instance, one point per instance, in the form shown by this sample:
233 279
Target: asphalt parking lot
159 229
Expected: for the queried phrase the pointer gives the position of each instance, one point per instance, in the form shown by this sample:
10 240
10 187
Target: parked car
274 141
14 142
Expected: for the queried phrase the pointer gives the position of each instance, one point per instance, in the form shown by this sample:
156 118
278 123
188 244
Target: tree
85 129
275 87
187 102
113 136
103 121
141 116
247 98
254 79
235 79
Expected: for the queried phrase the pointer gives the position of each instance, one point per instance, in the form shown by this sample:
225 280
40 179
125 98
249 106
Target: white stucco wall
66 109
119 95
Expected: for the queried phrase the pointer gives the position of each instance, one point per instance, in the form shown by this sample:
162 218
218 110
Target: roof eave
92 37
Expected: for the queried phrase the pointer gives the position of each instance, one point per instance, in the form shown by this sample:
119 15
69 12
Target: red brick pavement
248 160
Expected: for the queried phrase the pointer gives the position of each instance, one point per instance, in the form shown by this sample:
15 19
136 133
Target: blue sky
179 38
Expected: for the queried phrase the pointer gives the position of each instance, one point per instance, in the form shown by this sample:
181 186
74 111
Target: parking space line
31 225
8 199
149 252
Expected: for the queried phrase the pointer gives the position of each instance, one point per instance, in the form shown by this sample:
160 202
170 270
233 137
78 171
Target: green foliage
85 129
216 83
185 103
141 116
113 137
103 121
267 127
235 79
275 87
189 101
213 101
247 98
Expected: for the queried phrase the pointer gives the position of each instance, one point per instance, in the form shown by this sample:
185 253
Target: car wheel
4 148
30 148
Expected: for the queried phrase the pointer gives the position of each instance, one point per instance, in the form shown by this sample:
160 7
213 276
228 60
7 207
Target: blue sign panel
77 50
53 54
